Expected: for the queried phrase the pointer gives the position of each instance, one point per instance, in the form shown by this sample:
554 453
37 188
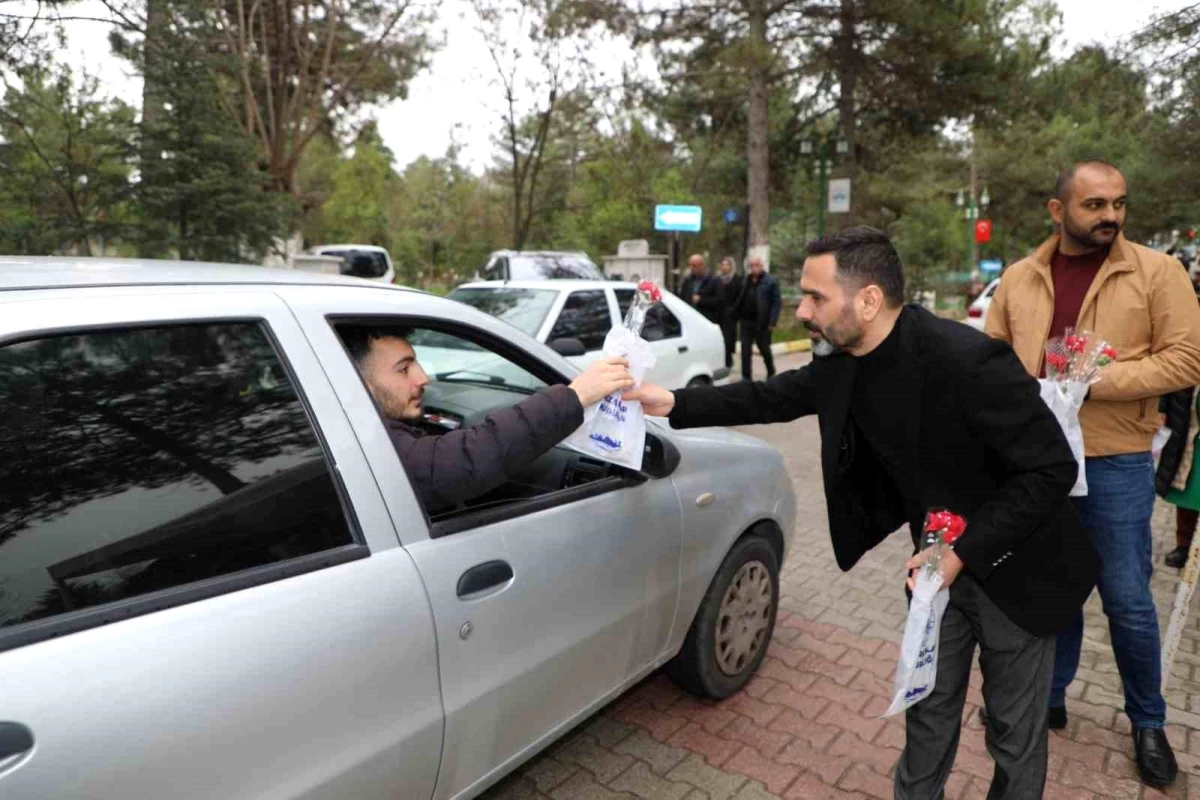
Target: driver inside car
449 469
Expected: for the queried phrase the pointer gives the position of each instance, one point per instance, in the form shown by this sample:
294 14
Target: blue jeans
1116 512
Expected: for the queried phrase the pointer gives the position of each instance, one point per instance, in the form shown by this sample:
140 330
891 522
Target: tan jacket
1143 304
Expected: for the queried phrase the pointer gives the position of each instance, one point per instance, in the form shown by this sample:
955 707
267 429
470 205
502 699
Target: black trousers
1017 667
753 335
729 331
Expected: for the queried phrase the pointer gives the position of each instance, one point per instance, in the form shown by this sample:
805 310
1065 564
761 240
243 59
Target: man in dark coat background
758 305
702 291
917 412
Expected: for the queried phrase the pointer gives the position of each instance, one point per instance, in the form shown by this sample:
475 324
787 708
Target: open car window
471 378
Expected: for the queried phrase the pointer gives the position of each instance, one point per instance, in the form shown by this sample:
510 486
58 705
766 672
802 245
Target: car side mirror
661 456
568 346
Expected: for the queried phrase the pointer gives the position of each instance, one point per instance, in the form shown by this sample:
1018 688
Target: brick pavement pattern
807 728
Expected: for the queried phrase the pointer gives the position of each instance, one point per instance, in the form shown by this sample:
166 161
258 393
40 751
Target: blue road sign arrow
678 218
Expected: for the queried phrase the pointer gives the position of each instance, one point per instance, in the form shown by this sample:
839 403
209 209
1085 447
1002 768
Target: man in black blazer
918 412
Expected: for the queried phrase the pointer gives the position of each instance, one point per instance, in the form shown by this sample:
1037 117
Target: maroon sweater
1073 276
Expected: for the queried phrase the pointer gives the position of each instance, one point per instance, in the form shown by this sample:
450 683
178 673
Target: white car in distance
978 310
573 317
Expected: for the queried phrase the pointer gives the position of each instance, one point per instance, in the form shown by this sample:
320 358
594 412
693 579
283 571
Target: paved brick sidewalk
806 727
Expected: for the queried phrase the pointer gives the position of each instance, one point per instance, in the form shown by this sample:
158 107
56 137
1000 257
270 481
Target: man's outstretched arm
785 397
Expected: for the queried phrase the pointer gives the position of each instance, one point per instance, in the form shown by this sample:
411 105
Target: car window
493 270
584 316
660 322
465 387
360 263
525 309
142 460
553 266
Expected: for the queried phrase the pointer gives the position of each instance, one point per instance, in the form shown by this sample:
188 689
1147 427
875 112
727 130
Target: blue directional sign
732 216
991 265
677 218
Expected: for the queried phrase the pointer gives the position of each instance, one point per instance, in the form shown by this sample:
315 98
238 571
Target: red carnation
1076 344
652 288
1058 361
954 529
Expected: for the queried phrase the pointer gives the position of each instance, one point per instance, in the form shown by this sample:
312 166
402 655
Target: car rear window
552 266
660 322
145 459
360 263
525 309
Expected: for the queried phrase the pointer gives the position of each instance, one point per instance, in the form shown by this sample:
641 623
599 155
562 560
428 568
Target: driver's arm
451 468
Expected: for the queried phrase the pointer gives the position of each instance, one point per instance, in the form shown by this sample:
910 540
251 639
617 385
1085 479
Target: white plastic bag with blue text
614 430
916 673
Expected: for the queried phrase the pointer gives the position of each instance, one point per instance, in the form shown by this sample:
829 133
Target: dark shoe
1155 759
1058 718
1176 558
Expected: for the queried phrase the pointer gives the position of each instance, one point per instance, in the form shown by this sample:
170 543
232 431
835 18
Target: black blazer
986 447
709 289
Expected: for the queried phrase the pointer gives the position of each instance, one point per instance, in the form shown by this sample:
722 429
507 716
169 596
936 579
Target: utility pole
822 185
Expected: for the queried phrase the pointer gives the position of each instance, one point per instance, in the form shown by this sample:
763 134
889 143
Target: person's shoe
1155 759
1176 558
1057 720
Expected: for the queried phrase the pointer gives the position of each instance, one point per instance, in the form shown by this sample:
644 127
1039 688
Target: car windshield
525 309
552 266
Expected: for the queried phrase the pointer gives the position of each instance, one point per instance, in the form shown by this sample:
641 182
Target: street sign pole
746 240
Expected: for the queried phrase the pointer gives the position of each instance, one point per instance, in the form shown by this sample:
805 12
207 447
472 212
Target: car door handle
484 576
15 739
683 348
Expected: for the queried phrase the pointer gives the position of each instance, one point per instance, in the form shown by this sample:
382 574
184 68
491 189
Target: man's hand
951 566
606 376
695 299
656 401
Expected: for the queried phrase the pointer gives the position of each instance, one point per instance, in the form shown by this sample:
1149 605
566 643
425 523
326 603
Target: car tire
729 636
699 380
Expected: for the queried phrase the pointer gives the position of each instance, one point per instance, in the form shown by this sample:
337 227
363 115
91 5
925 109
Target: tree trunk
758 178
848 68
152 102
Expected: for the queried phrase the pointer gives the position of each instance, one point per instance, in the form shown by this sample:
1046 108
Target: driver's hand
656 401
606 376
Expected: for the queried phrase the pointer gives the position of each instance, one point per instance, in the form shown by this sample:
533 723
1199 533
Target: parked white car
217 582
361 260
978 310
573 317
537 265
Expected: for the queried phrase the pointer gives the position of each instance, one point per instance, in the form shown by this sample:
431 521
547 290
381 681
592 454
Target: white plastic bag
1160 441
916 673
614 430
1065 398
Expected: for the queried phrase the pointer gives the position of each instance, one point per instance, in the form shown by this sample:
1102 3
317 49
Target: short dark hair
359 338
865 255
1066 178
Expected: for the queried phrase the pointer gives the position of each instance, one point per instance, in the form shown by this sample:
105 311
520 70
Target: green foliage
66 164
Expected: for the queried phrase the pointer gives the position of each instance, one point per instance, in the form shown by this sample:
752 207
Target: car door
664 332
545 607
584 315
201 590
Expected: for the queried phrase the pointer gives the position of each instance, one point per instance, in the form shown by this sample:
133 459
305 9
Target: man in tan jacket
1092 278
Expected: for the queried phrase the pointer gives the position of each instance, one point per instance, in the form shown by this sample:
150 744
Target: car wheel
699 380
728 638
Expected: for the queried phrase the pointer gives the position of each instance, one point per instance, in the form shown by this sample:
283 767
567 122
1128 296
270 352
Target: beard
1092 238
844 333
398 408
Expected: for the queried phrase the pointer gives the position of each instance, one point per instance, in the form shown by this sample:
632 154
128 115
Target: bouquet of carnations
615 429
916 672
1073 364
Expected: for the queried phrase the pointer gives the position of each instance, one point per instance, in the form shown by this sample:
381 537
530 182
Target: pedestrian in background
731 287
1177 480
702 291
758 305
1090 277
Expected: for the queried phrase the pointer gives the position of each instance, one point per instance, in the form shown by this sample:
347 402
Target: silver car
216 581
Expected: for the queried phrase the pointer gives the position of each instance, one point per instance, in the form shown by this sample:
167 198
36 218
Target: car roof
50 272
558 284
368 247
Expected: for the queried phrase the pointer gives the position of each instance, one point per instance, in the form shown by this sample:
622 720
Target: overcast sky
456 95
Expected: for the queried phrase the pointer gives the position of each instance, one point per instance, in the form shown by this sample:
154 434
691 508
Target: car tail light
974 313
